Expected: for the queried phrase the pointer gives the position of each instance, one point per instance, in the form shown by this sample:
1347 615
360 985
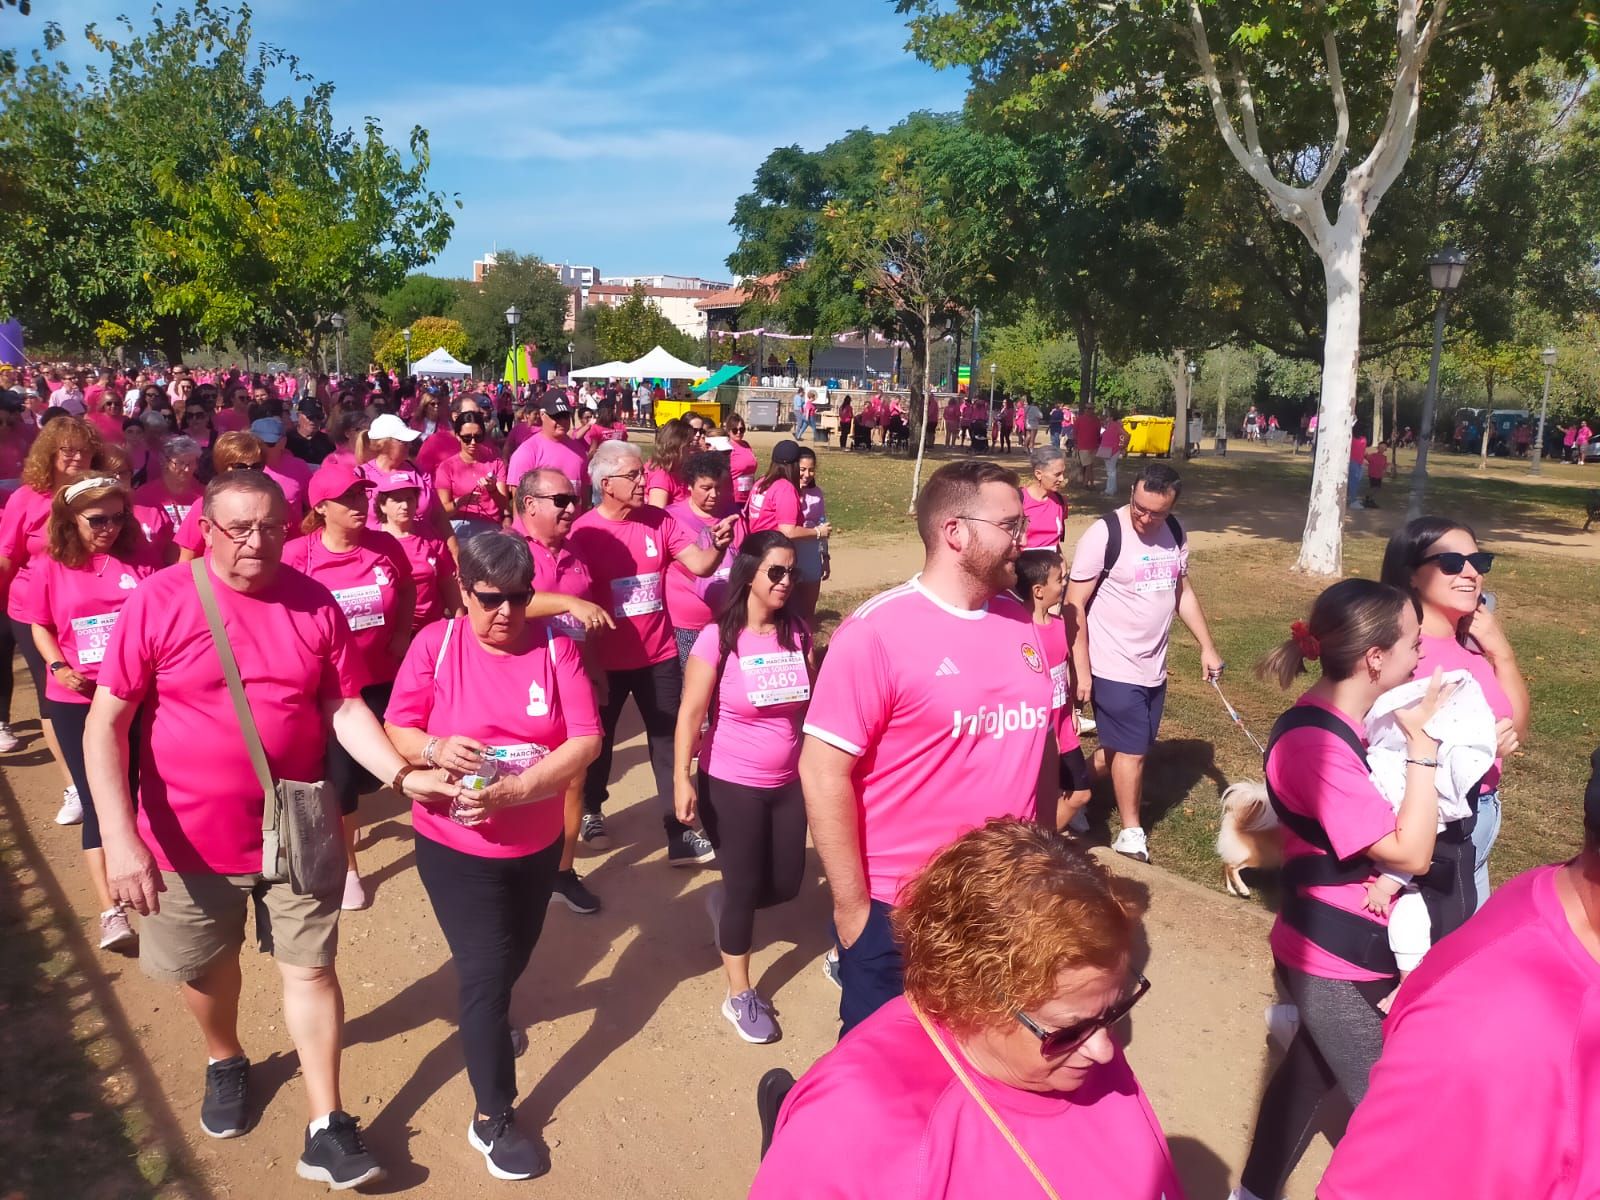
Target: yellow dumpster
666 410
1149 435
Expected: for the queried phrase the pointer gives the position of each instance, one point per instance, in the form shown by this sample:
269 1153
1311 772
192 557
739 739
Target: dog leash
1233 713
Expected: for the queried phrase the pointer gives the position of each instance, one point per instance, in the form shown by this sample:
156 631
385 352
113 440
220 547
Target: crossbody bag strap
241 706
988 1109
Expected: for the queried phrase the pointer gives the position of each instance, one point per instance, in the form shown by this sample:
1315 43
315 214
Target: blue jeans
871 971
1358 472
801 424
1484 834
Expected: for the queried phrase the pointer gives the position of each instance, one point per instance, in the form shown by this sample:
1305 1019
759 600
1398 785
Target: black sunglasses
1452 562
470 438
777 574
559 499
1053 1043
493 600
99 521
245 466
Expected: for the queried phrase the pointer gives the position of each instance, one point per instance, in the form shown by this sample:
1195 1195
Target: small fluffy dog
1249 835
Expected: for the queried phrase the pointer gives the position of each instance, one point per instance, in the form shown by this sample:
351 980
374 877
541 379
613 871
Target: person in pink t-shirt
997 1073
152 522
1331 953
287 471
177 488
664 483
1042 502
952 420
471 484
742 464
1086 437
96 557
552 447
1041 586
488 860
433 572
749 675
191 860
930 715
1438 561
692 600
627 546
812 560
1457 1106
775 502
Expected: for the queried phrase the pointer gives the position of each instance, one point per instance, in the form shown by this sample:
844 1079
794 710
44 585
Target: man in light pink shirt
1130 575
929 717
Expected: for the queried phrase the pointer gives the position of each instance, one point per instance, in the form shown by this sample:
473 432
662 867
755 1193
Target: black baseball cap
554 404
786 451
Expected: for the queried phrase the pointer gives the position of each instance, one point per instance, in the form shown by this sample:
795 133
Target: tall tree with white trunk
1296 89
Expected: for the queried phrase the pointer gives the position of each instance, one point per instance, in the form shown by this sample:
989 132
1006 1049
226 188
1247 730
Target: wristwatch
57 666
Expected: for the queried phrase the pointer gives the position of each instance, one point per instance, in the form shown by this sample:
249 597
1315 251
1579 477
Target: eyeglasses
777 574
559 499
1155 514
1053 1043
244 466
491 601
1017 530
240 534
632 476
1452 562
99 521
470 438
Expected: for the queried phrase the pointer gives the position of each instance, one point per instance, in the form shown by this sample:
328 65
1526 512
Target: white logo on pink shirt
127 582
538 705
997 722
381 576
650 546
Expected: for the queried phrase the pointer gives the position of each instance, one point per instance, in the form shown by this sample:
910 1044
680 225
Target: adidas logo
947 668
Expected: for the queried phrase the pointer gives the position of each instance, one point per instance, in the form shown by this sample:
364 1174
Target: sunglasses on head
777 574
99 521
490 601
559 499
1452 562
1053 1043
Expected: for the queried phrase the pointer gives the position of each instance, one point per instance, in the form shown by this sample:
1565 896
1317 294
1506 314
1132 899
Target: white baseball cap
387 425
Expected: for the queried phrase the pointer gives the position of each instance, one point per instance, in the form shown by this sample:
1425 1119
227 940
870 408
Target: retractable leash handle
1233 715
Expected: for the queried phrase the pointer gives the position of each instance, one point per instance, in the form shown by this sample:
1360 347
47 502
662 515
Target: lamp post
571 346
1445 269
1189 370
405 336
991 387
514 315
1548 357
337 321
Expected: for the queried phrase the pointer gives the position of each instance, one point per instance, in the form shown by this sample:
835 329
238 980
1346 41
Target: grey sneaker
689 848
830 967
115 930
592 831
751 1017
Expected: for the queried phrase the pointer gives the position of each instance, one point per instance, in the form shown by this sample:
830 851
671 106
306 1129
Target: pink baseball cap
398 481
331 482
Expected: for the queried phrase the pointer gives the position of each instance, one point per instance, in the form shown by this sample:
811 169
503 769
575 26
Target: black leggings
69 720
491 911
1340 1036
760 836
8 650
344 776
22 635
656 690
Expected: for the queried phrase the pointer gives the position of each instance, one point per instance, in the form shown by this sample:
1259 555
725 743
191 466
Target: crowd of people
388 586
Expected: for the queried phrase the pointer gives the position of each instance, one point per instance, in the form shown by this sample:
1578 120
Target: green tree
419 296
635 327
523 281
427 335
1029 355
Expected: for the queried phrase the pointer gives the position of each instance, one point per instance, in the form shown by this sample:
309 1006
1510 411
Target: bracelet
1422 762
427 751
398 782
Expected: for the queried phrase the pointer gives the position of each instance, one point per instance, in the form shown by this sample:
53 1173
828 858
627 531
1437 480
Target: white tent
616 369
658 364
440 362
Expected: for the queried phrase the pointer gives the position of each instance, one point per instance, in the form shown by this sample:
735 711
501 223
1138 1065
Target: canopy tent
440 362
723 375
615 369
658 364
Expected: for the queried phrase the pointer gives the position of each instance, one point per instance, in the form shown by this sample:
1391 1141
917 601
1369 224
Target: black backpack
1114 549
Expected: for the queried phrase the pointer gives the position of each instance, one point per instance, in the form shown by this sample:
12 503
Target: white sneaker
355 896
1131 843
8 740
1283 1022
115 929
71 812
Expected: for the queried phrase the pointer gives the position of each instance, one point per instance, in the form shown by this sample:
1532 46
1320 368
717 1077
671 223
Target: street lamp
405 336
1445 268
337 321
570 348
514 315
1190 369
1548 357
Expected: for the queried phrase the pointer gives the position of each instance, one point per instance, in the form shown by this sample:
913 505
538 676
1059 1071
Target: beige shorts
1087 458
202 918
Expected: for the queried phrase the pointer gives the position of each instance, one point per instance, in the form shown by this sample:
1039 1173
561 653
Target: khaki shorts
202 918
1087 458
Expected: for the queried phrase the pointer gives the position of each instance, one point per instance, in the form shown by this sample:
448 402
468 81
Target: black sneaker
770 1094
337 1156
571 889
592 831
689 849
224 1111
506 1153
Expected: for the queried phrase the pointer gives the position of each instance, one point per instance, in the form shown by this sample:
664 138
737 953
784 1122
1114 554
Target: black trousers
491 911
8 650
760 836
22 636
343 775
69 720
656 689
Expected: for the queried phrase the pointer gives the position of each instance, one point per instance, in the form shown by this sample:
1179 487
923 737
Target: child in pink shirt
1041 585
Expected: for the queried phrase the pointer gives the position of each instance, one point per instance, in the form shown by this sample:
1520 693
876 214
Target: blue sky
612 133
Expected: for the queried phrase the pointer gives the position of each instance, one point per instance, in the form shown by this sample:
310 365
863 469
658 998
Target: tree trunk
1222 396
919 386
1322 545
1488 410
169 337
1377 411
1088 343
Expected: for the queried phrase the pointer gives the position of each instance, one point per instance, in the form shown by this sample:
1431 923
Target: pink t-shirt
1086 432
597 433
363 582
199 802
1111 439
692 600
1053 645
80 606
565 454
742 467
13 452
882 1114
946 711
23 529
294 488
542 698
436 447
227 420
110 427
562 572
1452 1110
1132 612
1047 520
431 568
427 496
1451 655
659 479
176 506
466 479
1314 774
520 432
157 528
774 505
754 737
627 560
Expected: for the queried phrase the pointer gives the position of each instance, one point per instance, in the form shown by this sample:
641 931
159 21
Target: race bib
636 595
518 757
776 678
92 634
568 626
1058 686
362 606
1152 574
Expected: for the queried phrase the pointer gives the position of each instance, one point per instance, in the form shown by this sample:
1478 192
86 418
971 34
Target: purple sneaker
751 1017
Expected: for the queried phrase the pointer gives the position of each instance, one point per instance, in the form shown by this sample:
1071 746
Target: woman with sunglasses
471 484
96 557
750 673
1438 561
742 464
235 451
370 578
196 424
488 861
996 1074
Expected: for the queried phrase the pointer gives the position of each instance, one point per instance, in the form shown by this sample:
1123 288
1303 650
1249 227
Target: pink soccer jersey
946 711
627 561
1053 644
1131 616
